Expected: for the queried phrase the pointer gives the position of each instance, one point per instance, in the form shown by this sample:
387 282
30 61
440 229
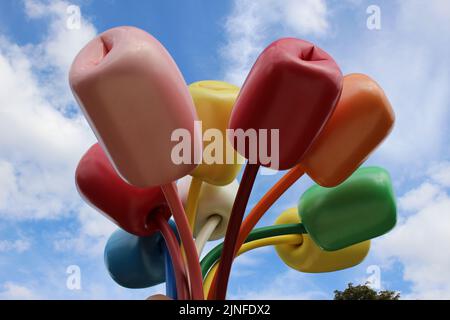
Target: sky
45 228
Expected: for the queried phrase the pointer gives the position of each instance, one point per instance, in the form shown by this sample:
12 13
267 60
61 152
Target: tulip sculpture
324 124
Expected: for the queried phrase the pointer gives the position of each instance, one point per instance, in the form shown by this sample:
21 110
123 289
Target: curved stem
175 254
174 202
267 201
206 231
192 201
261 207
294 239
237 214
257 234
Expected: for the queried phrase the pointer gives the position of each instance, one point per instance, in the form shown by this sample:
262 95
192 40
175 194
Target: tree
364 292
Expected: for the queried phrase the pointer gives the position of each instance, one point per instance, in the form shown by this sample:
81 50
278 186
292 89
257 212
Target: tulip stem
256 234
260 208
175 254
292 239
206 231
192 201
237 214
195 276
271 196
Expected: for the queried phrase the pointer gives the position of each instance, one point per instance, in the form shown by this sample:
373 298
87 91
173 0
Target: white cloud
304 17
421 243
250 262
58 49
7 182
91 238
13 291
39 144
95 224
37 9
440 173
252 24
420 197
19 245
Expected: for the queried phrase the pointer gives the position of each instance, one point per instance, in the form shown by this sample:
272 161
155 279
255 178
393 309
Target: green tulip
361 208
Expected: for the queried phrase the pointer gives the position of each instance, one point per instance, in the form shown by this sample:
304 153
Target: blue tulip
136 262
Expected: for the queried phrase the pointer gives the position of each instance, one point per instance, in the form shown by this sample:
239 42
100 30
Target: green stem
259 233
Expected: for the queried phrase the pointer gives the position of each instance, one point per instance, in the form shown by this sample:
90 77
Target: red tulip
126 205
293 87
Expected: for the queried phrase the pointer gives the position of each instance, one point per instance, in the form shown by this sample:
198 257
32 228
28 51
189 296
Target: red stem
234 225
195 274
175 254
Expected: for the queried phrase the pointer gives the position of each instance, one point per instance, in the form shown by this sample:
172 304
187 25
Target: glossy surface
294 87
214 101
213 200
136 262
309 257
134 97
128 206
362 119
361 208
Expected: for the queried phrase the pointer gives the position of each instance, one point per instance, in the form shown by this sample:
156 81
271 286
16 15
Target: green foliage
364 292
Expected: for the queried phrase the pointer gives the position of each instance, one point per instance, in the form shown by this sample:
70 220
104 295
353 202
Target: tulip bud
214 101
361 208
293 87
134 98
136 262
213 200
309 257
361 121
127 206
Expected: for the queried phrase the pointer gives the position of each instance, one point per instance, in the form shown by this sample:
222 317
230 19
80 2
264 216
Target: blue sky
45 227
